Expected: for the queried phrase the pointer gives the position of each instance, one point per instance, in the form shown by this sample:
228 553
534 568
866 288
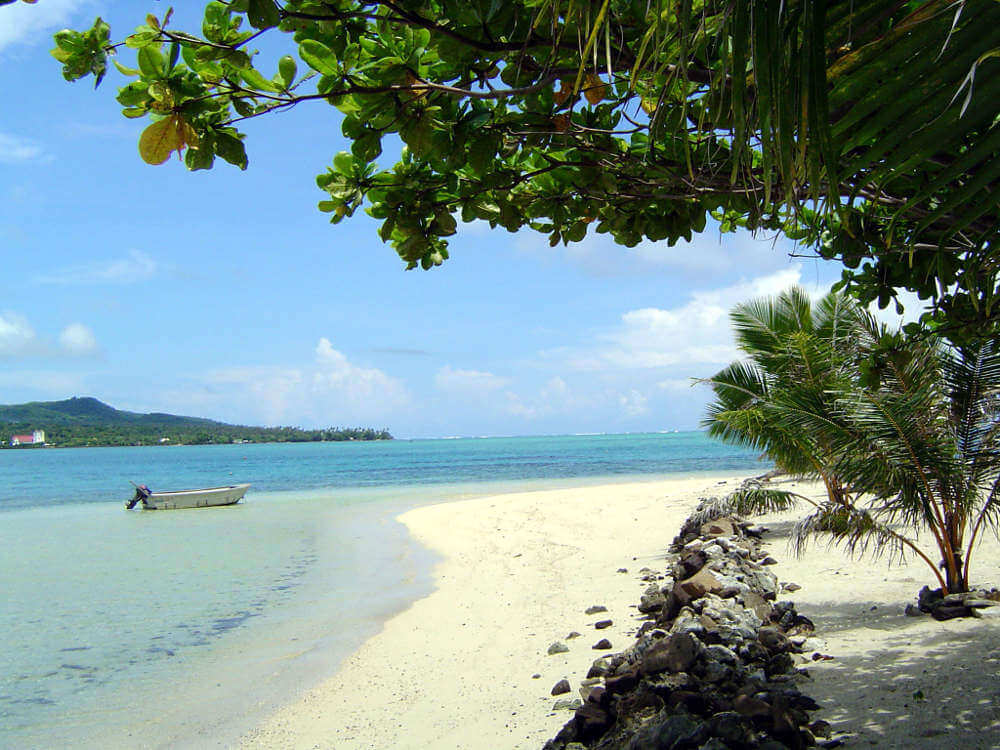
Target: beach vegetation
902 430
866 132
88 422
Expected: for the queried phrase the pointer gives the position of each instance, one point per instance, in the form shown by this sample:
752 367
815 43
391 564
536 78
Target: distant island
87 421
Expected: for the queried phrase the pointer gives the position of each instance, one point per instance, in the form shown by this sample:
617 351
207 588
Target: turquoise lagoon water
182 628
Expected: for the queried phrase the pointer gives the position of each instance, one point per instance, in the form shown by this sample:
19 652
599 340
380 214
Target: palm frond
972 379
988 516
750 499
857 531
761 325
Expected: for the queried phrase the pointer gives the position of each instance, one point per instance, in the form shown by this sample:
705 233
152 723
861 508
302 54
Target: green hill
87 421
89 411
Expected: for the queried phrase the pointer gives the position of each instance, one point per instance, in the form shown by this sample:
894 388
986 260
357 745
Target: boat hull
203 498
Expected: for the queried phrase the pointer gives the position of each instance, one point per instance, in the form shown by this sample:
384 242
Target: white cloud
17 337
334 391
76 339
134 268
468 382
15 149
634 403
339 380
641 366
515 406
554 397
273 394
34 23
557 400
557 390
694 333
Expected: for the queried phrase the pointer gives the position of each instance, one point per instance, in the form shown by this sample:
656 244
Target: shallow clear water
166 628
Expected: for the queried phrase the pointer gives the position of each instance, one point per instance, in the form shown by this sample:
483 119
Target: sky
228 295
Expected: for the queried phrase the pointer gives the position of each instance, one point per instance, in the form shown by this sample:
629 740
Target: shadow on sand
915 682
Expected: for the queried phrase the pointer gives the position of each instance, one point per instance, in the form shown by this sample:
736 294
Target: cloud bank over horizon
627 372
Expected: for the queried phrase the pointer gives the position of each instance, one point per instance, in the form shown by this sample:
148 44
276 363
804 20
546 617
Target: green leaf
243 107
263 14
125 71
482 154
343 163
217 14
238 59
477 119
231 148
151 61
160 91
134 94
255 80
368 147
61 55
352 127
446 223
576 232
142 39
319 57
202 157
70 41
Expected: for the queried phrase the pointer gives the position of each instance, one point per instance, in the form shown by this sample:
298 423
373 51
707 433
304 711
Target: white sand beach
467 667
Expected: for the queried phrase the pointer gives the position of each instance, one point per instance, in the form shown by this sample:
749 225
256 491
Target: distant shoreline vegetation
81 422
112 436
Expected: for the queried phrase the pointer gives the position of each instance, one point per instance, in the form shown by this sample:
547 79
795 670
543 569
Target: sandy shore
456 669
467 667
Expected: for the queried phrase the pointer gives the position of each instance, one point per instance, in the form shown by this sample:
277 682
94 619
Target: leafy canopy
865 129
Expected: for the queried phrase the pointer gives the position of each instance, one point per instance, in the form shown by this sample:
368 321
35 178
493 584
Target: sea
134 629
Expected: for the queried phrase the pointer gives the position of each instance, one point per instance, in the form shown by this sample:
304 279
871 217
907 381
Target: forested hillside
87 421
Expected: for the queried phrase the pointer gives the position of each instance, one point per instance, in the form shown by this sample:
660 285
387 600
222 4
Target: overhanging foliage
863 128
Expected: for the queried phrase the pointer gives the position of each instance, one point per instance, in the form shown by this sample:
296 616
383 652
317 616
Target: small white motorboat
203 498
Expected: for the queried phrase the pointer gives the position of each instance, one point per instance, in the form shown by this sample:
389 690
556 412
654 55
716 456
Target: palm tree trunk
956 577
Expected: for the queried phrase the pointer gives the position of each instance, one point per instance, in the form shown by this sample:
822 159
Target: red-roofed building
35 438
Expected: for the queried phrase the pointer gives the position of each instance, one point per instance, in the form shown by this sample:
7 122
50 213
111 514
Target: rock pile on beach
712 666
949 606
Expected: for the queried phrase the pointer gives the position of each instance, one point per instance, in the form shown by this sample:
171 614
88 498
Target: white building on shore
35 438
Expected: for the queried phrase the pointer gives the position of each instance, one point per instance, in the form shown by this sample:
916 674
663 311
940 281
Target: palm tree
903 431
793 349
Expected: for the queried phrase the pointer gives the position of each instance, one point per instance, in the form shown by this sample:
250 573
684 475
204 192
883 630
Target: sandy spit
518 571
467 667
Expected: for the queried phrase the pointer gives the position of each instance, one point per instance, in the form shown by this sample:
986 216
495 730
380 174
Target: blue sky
228 295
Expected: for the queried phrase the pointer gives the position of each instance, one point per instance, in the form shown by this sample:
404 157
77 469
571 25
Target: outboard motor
141 493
